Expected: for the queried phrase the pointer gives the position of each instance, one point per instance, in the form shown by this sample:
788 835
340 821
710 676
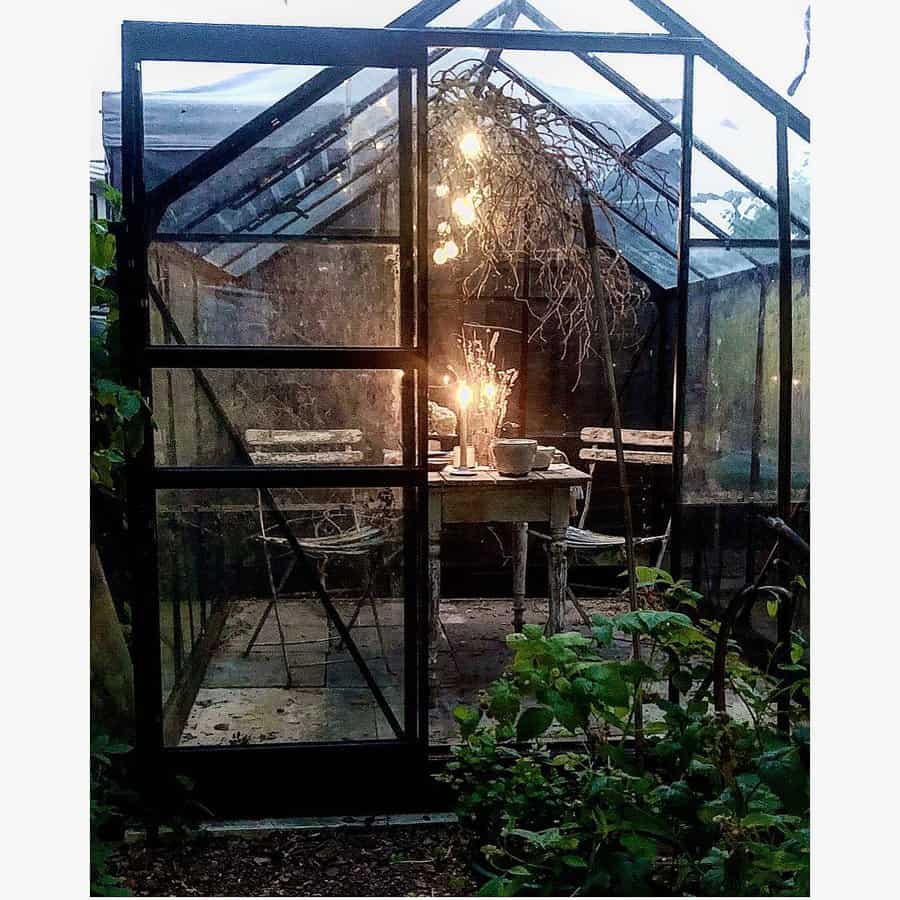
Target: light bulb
442 190
443 228
440 255
464 210
451 249
470 145
490 389
446 379
464 395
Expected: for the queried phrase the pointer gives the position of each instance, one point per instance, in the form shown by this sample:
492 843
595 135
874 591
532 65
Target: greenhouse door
273 317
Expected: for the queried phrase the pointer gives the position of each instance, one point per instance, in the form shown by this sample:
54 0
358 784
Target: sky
767 36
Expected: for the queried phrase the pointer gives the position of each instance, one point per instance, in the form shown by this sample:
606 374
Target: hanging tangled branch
508 174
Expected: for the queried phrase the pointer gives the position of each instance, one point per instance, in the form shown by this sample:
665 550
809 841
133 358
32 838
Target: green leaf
468 718
575 862
504 701
639 846
772 607
533 722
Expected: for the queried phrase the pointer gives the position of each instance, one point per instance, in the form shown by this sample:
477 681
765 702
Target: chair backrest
642 447
289 447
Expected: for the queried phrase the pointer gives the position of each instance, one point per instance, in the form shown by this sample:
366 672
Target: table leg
434 583
558 560
520 565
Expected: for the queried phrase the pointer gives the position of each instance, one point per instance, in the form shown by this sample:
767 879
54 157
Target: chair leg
578 607
384 653
273 604
449 645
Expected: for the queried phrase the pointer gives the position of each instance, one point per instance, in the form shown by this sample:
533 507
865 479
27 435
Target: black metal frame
405 45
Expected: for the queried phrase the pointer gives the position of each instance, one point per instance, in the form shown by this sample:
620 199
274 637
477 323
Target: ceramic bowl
514 456
543 457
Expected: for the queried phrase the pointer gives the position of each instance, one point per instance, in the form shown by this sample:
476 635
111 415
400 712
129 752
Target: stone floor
247 700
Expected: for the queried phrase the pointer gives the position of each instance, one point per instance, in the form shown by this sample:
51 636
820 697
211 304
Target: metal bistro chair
368 543
644 450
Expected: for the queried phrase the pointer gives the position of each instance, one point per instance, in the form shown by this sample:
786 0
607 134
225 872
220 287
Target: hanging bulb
451 249
442 190
464 210
440 255
470 145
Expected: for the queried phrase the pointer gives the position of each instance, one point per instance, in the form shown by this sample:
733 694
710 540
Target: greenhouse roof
313 170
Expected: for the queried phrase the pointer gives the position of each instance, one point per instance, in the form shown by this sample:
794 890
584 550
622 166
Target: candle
464 398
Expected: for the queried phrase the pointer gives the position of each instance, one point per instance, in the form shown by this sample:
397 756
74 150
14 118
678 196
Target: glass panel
611 15
190 107
305 170
284 416
732 386
724 202
769 38
275 674
800 409
734 125
799 165
288 293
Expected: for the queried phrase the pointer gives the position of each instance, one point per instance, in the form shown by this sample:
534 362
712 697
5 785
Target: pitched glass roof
329 158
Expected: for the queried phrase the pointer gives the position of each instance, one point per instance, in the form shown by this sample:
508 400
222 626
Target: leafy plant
106 821
712 804
118 413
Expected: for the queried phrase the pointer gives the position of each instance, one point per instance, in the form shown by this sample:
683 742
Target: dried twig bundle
508 175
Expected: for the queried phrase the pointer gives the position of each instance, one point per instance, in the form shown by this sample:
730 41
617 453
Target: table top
558 475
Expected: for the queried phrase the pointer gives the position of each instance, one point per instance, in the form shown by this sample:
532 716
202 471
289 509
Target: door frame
352 776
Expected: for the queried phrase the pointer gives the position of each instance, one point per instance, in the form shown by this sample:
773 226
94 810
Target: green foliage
118 414
106 795
709 806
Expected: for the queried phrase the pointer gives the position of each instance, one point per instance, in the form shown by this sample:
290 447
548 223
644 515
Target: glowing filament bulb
451 249
470 145
440 255
464 210
464 395
490 390
442 190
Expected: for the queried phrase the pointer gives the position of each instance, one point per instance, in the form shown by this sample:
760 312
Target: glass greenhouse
362 271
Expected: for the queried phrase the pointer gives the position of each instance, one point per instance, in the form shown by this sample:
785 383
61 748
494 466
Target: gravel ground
420 861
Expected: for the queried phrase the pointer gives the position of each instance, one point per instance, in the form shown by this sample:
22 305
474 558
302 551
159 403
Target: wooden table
488 497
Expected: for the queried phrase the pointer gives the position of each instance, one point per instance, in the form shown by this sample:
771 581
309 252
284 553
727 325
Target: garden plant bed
420 860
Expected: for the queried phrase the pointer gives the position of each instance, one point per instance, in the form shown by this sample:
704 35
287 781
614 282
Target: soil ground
419 860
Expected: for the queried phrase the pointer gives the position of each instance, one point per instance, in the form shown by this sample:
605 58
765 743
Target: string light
443 228
440 255
464 210
442 190
470 145
451 249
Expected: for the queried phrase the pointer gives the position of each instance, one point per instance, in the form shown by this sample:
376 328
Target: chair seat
349 543
582 538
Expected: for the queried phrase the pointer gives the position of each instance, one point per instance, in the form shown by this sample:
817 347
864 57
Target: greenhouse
457 333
